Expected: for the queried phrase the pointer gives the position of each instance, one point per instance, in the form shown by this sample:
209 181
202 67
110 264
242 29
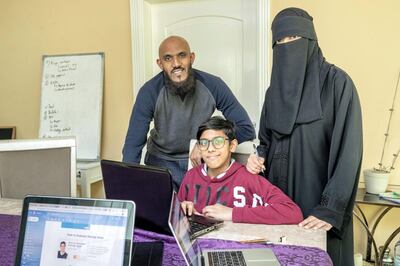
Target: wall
361 37
30 29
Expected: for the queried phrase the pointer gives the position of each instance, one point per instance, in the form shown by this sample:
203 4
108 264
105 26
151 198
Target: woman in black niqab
311 132
297 73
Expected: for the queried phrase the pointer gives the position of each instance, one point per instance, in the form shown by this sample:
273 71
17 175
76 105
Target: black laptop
74 231
150 188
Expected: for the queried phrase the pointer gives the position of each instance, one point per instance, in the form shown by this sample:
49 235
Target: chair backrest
241 157
191 146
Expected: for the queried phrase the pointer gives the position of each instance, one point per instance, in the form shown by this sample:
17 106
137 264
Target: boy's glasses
217 142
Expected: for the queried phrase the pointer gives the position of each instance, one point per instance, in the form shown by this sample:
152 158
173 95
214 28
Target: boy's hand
195 156
188 208
313 222
255 164
218 211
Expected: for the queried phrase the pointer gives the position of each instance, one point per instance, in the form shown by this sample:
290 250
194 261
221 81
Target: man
311 132
61 254
179 100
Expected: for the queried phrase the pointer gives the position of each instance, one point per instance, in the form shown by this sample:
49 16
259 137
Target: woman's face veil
294 93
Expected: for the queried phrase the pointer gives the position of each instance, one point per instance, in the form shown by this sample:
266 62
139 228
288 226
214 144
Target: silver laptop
73 231
194 256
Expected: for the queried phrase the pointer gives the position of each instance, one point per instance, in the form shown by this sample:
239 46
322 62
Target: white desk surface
294 234
231 231
10 206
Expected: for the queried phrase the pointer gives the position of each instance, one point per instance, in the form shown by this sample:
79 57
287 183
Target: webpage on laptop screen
74 235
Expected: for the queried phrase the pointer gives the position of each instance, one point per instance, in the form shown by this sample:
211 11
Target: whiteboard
71 100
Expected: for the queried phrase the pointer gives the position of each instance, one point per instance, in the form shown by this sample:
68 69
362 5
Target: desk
87 173
10 206
371 199
286 254
294 234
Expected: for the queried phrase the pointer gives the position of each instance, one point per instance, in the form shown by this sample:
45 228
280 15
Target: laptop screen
140 183
179 225
64 234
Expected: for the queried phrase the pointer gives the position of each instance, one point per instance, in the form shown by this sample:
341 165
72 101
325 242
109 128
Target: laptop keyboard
196 227
226 258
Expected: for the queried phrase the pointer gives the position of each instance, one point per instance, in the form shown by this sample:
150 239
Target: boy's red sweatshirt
253 198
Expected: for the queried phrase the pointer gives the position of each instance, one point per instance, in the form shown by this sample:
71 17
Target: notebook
147 253
73 231
148 186
391 196
194 256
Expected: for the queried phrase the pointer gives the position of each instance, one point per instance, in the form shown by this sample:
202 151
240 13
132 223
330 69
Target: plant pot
376 181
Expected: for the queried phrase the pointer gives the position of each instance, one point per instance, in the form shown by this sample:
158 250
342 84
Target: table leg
362 213
377 221
85 186
370 238
387 243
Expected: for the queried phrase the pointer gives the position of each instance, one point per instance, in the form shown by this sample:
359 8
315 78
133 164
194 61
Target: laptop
194 256
198 224
74 231
150 188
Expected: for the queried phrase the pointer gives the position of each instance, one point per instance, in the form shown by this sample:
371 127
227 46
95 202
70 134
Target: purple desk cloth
287 255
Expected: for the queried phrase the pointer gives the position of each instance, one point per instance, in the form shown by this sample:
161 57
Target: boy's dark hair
63 242
218 123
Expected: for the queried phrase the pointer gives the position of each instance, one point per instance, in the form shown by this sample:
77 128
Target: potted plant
377 178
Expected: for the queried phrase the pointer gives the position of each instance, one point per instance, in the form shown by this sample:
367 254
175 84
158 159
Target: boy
223 189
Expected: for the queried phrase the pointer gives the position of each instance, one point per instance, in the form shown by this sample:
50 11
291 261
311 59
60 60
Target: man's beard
182 88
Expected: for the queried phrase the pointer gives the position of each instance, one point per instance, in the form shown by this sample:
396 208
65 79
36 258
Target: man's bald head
173 41
175 58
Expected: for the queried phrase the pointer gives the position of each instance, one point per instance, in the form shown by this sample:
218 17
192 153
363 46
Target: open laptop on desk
73 231
194 256
198 224
150 188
